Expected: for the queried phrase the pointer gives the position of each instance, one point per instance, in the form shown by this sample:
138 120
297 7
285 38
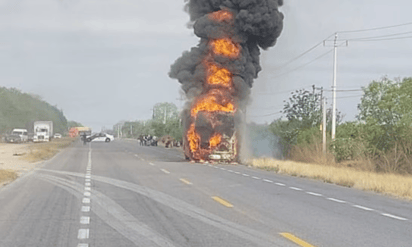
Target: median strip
223 202
295 239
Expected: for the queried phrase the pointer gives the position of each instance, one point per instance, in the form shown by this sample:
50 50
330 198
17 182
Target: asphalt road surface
122 194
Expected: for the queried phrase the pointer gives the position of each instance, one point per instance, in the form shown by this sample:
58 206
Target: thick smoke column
218 74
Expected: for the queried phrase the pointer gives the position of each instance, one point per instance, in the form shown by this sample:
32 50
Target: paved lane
121 194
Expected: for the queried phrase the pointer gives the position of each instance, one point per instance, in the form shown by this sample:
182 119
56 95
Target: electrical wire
369 40
286 91
268 115
304 53
381 36
376 28
303 65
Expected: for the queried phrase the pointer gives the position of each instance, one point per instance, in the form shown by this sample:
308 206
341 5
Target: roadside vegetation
20 110
7 176
165 121
372 153
44 151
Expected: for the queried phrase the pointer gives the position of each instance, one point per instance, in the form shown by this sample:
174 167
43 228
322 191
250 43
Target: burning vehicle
218 74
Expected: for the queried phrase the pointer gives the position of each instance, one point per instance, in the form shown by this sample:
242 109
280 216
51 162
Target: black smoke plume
256 25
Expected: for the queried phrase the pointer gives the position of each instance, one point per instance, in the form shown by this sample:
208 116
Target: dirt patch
16 159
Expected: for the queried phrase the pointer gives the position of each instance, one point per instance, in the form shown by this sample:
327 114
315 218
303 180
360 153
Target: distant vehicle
43 131
17 136
57 136
30 135
100 137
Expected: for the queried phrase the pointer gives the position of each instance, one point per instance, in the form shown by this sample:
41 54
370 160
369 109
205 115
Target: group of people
147 140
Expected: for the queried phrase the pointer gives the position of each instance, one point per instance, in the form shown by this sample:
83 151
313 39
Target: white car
57 136
100 137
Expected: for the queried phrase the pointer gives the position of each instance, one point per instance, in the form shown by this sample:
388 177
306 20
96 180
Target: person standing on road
84 138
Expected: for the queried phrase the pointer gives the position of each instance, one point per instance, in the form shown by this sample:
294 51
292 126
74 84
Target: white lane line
83 234
88 176
335 200
246 175
142 159
268 181
209 165
165 171
313 193
85 209
294 188
87 184
363 208
151 164
394 217
280 184
87 180
85 220
88 168
86 200
223 169
216 167
136 155
237 172
229 170
87 194
83 245
87 189
256 178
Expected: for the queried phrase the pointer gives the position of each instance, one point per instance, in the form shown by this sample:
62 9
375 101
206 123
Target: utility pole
335 58
335 66
324 124
323 102
164 120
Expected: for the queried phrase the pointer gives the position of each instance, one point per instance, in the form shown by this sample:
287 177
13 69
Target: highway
122 194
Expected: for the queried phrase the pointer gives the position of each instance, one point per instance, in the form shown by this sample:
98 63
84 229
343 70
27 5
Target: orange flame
219 76
193 138
225 47
215 140
209 104
221 15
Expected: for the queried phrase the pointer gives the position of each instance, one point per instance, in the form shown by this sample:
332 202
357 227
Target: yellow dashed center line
185 181
223 202
165 171
296 240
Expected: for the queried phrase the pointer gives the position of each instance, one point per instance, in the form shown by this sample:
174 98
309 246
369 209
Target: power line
304 53
369 40
286 91
303 65
380 36
376 28
268 115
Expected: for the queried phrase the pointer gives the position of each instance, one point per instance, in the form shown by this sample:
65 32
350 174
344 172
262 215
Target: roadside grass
43 151
385 183
7 176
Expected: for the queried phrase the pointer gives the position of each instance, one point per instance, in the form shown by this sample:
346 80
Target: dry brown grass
385 183
46 150
7 176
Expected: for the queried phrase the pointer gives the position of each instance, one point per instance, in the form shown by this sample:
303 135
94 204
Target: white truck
43 131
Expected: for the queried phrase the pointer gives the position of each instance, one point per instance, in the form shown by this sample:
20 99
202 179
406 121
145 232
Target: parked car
17 136
57 136
100 137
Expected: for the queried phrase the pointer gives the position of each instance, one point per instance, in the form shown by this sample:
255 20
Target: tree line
20 110
165 121
380 139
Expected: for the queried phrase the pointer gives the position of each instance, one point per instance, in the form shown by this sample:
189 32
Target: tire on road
107 140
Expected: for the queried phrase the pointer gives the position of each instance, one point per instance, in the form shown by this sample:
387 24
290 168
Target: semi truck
43 131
